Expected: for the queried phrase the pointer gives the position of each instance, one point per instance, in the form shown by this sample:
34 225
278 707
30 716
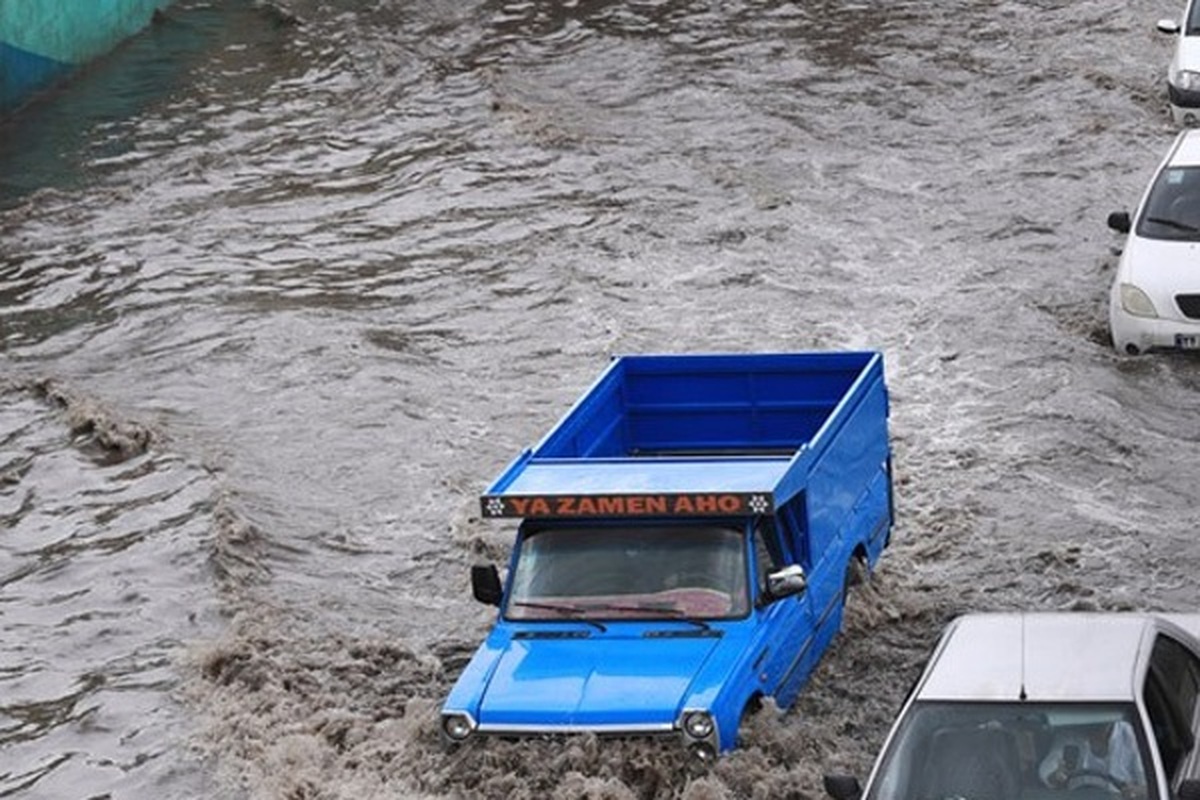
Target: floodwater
281 290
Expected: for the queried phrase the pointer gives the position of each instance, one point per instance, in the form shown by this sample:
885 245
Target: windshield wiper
1173 223
699 623
674 613
571 612
703 629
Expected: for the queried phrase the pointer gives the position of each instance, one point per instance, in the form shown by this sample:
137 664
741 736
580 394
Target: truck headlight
1134 301
698 724
457 726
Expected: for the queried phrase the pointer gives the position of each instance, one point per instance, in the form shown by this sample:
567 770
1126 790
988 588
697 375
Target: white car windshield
1015 751
1172 209
634 572
1193 21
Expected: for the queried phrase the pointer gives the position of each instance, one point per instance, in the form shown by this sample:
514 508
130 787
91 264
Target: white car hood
1187 54
1162 269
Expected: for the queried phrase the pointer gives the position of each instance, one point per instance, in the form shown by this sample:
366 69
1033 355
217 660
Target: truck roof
727 434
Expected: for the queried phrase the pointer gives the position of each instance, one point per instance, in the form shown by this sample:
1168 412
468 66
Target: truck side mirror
1119 221
1189 789
1167 26
786 582
842 787
485 584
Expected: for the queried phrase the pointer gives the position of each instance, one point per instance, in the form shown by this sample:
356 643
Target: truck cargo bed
697 423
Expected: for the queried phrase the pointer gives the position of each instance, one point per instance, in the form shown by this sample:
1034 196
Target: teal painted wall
72 31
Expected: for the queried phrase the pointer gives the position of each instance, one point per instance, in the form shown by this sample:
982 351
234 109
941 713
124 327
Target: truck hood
596 683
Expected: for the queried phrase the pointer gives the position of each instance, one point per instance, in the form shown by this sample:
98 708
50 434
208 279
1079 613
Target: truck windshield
637 572
1011 751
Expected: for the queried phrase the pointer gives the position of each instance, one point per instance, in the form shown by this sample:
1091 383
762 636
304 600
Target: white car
1183 76
1048 706
1154 303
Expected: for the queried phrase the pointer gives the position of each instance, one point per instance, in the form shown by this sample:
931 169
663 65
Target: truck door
826 569
788 622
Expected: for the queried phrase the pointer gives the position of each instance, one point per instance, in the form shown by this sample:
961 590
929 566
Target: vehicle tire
752 707
856 575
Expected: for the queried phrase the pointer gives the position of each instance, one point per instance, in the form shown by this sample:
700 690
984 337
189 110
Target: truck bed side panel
850 464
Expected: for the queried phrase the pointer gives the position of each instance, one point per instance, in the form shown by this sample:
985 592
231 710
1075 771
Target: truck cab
687 535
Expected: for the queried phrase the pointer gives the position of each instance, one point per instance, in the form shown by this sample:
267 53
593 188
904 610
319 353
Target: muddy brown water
281 290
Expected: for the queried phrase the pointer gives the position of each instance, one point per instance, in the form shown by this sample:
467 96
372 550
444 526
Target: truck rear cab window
795 532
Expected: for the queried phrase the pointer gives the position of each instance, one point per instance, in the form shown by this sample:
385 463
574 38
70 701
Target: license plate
1187 341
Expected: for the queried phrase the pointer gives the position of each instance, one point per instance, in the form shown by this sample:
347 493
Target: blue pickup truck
688 534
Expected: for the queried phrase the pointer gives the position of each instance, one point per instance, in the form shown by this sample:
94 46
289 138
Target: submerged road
281 291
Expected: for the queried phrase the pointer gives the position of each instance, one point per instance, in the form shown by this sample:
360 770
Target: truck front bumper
696 729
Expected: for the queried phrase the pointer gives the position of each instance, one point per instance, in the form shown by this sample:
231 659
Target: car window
1172 208
1179 671
767 554
1190 766
1173 703
1164 724
794 529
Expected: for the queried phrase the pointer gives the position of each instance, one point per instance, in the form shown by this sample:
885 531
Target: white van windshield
1172 209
